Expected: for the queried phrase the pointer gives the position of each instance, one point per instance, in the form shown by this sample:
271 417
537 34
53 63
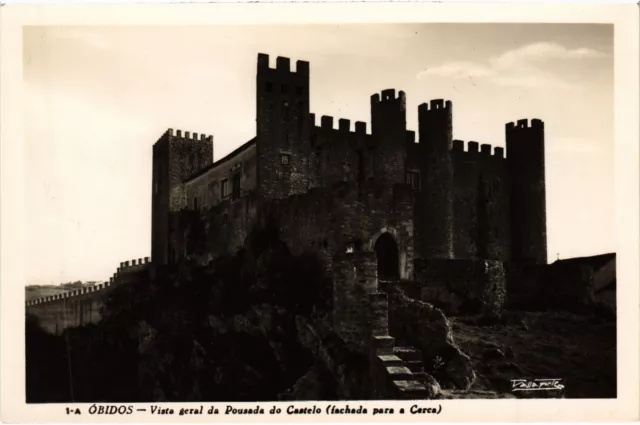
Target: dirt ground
580 350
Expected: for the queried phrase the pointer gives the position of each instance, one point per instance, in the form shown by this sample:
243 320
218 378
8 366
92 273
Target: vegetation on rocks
253 326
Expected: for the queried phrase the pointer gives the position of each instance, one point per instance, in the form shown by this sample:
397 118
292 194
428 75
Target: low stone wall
460 286
578 285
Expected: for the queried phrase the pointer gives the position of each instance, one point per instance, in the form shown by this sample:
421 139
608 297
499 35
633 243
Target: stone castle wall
83 306
481 202
461 286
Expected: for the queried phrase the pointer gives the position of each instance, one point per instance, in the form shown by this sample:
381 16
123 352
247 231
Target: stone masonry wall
354 278
338 155
212 232
481 202
461 286
331 220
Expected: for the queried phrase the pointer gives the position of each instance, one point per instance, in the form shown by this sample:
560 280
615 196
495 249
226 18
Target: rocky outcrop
343 369
414 322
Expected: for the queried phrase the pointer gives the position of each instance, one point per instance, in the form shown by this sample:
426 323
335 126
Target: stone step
399 373
390 360
409 390
407 353
383 345
420 376
415 366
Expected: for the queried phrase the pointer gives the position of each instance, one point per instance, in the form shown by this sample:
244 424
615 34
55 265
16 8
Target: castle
472 203
379 205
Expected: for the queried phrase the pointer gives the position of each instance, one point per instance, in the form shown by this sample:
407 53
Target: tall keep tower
388 130
175 158
283 128
434 203
527 190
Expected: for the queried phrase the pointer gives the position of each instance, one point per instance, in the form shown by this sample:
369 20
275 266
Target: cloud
460 70
538 52
522 67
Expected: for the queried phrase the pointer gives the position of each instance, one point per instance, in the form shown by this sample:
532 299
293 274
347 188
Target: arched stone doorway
388 257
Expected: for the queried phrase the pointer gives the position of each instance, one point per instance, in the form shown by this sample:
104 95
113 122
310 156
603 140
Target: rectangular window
284 159
224 188
268 86
236 187
413 178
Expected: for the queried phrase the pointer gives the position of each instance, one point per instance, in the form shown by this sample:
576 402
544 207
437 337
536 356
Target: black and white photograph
319 212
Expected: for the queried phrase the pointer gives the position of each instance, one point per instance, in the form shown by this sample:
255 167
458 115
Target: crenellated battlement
472 148
136 262
388 95
70 294
187 135
125 267
435 105
344 124
283 65
535 123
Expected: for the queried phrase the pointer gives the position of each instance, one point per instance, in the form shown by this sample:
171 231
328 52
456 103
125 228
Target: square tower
283 128
175 158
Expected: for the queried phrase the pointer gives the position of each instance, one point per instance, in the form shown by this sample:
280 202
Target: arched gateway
387 254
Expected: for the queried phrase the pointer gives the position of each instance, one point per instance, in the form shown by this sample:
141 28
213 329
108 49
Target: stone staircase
397 373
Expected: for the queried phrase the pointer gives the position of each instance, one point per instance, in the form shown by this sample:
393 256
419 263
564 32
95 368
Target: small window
285 89
195 203
268 86
225 218
284 159
299 91
413 178
224 188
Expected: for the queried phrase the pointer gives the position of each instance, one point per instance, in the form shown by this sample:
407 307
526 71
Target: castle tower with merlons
466 203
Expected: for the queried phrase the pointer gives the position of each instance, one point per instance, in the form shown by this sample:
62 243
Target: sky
97 98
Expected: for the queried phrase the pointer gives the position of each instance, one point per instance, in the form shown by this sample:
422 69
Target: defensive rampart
83 306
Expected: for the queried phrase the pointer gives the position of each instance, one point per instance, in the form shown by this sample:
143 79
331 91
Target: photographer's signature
543 384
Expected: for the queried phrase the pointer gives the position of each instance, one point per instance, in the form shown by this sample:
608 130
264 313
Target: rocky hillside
579 349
